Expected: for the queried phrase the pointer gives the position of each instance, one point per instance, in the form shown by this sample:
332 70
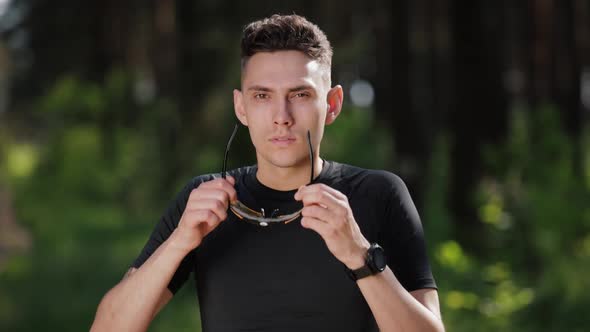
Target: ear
239 107
334 99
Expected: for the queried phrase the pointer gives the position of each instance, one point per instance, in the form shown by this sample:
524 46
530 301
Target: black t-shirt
283 277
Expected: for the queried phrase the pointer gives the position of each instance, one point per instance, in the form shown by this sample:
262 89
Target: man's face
285 94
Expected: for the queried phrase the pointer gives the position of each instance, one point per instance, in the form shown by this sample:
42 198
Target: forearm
130 306
394 308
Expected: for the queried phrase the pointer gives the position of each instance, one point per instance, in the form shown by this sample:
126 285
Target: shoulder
185 191
236 173
374 182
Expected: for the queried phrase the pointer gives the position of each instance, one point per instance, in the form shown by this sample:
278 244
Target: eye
301 95
260 96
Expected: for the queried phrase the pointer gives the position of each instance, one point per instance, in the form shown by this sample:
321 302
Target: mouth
282 140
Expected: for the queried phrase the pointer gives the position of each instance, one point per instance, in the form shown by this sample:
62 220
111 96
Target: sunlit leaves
450 254
20 160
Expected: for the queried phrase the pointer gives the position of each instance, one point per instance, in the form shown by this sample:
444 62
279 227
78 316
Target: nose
282 115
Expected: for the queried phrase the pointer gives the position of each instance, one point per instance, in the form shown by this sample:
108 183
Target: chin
283 161
286 159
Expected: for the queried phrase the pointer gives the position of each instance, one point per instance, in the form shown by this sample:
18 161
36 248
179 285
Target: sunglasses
259 217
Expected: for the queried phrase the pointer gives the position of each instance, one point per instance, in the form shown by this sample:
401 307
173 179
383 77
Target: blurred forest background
108 107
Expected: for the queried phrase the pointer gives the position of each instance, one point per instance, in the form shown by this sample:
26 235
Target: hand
327 212
205 209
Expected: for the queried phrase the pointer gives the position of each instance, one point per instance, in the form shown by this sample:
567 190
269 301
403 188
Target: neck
287 178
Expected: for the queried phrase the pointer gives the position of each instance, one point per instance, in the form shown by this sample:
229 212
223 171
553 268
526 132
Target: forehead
282 69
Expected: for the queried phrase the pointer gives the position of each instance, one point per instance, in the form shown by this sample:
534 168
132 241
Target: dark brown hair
286 32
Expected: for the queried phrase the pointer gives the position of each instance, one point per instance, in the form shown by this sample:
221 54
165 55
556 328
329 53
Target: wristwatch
375 262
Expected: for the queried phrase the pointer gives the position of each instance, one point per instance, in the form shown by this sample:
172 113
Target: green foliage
355 139
85 193
90 185
535 211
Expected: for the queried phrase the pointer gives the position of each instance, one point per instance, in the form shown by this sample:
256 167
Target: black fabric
283 277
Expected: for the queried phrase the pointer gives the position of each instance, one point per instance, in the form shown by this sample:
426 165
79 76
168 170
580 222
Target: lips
282 140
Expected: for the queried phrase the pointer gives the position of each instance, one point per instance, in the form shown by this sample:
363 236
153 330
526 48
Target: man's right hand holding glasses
205 209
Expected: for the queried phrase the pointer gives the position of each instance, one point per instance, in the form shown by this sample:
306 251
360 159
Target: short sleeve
163 229
402 236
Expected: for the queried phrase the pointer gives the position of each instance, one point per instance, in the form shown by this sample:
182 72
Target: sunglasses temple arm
231 138
310 155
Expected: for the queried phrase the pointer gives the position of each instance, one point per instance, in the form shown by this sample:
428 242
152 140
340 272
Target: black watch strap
357 274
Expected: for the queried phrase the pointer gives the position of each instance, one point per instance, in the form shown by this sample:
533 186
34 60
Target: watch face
378 259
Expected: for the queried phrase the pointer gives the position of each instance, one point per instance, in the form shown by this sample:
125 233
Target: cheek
254 113
257 122
310 112
256 136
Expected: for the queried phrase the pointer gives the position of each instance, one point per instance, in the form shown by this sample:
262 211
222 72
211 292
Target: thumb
231 180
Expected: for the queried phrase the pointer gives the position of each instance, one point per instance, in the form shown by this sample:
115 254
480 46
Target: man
323 269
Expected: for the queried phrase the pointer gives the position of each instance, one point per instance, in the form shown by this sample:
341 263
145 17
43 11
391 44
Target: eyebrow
297 88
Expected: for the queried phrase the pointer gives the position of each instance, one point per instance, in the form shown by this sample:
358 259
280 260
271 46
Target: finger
317 212
217 206
196 217
322 187
211 218
320 227
324 198
205 193
218 183
222 184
